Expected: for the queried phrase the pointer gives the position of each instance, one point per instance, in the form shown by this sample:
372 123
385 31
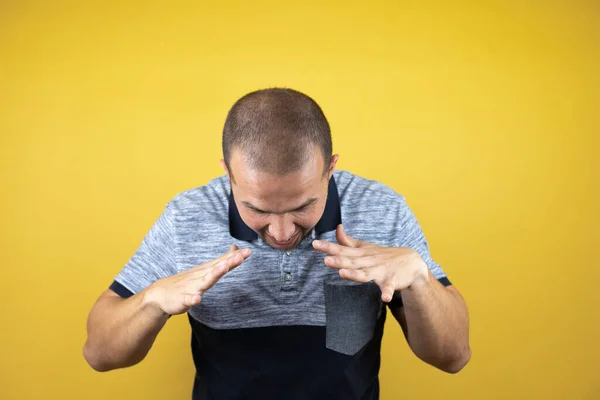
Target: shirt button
288 253
288 277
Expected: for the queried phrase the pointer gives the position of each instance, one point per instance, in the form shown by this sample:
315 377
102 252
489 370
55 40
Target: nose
281 228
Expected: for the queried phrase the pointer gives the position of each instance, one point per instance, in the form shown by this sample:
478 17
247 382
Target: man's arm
434 318
435 322
122 331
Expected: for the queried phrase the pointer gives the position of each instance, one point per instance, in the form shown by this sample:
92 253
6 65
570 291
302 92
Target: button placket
289 291
286 267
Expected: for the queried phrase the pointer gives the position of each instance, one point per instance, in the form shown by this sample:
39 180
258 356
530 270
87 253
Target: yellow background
484 114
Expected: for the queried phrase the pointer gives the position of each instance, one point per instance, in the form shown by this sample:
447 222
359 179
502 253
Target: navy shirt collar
331 218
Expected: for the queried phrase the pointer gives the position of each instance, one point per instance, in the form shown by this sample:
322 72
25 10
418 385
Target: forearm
121 331
437 324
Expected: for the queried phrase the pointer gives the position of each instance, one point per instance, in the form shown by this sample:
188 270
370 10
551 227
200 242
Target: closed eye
307 206
302 210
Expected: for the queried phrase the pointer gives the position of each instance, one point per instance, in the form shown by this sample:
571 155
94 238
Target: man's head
278 155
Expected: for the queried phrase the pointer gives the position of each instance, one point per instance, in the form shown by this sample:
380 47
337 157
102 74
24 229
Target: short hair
276 131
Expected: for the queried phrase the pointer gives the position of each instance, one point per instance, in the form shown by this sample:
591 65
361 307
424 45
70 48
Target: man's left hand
389 267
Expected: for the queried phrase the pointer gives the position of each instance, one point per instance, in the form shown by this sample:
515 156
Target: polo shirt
282 325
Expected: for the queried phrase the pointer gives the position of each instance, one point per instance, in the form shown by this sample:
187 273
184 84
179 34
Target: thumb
387 293
232 248
343 238
191 300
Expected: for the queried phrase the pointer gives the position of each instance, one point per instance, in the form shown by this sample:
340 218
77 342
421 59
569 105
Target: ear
224 166
332 164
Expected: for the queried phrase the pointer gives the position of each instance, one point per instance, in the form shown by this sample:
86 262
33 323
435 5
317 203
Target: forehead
260 186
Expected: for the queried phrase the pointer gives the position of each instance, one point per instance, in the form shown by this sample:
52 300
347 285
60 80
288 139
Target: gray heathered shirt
272 287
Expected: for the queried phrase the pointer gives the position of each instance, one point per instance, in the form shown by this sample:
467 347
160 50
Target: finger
369 275
191 300
212 275
235 259
334 249
351 262
343 238
377 274
362 275
230 253
387 293
232 250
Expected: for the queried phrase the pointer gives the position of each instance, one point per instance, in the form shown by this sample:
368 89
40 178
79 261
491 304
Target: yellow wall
485 115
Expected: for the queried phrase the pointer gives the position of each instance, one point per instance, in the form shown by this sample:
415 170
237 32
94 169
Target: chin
283 246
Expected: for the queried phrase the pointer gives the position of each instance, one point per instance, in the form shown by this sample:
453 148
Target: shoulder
211 198
360 193
375 212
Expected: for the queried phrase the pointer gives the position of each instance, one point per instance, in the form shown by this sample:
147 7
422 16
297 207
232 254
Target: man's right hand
178 293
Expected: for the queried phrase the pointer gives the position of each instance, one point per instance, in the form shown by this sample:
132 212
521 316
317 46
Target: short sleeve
410 235
154 259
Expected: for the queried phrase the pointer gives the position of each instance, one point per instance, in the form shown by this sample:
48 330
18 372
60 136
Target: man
285 267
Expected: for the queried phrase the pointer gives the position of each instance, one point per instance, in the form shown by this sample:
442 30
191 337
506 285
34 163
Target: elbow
93 359
457 362
449 360
99 361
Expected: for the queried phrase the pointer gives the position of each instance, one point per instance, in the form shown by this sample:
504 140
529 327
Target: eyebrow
305 204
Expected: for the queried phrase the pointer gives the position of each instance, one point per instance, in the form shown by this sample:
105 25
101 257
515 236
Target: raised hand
178 293
389 267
